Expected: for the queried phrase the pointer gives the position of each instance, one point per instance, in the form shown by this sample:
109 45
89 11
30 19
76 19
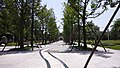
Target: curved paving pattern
55 56
47 62
43 53
64 64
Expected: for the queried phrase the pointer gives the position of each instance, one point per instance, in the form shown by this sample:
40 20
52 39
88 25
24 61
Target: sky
100 21
103 19
57 6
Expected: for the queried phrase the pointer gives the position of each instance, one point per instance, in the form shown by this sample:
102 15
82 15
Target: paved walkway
58 55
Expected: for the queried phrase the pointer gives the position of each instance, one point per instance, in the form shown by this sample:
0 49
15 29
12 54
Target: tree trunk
32 25
45 36
78 26
21 28
78 30
84 22
71 32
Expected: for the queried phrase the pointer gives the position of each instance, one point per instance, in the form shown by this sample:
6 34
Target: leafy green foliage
15 18
114 47
115 31
85 9
69 24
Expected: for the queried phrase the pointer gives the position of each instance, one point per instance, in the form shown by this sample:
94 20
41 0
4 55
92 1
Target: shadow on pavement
13 52
102 54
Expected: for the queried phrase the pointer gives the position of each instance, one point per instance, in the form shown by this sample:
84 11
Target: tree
52 27
115 31
47 24
115 12
88 9
69 22
92 31
24 19
18 19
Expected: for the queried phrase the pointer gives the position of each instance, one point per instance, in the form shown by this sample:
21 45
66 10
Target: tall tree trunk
21 27
78 26
45 36
32 25
71 32
42 37
84 22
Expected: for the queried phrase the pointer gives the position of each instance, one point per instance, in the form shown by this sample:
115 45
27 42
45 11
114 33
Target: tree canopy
84 9
16 18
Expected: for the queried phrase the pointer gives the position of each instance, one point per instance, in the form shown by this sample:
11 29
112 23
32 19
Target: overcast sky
57 5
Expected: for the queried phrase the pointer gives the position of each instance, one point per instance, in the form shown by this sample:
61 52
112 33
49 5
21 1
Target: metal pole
102 35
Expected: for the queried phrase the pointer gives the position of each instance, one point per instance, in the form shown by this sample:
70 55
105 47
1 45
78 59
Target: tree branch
97 14
98 5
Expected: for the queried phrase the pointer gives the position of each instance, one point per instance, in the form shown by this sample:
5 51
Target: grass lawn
117 47
115 44
112 44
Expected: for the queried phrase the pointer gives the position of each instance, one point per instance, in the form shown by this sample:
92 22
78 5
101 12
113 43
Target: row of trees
76 14
115 31
21 18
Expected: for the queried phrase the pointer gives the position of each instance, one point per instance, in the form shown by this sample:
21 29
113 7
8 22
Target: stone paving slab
22 60
56 56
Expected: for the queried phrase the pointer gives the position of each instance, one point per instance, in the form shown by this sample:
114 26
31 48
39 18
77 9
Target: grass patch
117 47
105 42
113 42
11 44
